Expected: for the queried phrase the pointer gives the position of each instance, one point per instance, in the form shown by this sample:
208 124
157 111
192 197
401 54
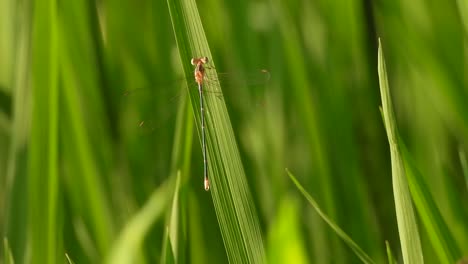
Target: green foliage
339 232
98 160
407 226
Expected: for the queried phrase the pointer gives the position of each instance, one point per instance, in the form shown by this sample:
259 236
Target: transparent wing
155 105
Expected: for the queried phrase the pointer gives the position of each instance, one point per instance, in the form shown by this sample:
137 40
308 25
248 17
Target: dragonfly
201 78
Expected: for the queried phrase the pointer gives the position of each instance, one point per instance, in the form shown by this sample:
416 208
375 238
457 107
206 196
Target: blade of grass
17 171
170 244
127 245
7 255
441 239
237 217
391 259
407 226
464 165
355 247
86 149
43 157
181 154
70 261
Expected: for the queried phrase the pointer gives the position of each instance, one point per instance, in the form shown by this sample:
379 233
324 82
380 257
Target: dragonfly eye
204 60
192 61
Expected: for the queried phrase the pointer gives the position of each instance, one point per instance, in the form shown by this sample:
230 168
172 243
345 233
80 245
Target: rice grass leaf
69 260
236 213
407 226
17 178
7 255
441 239
168 256
355 247
43 165
464 165
171 241
391 258
126 247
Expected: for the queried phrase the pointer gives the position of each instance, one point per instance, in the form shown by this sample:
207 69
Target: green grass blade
69 260
7 255
464 165
391 259
407 226
237 217
17 178
84 129
43 157
171 240
441 239
127 245
169 257
355 247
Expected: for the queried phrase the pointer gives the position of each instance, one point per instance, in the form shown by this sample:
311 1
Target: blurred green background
75 166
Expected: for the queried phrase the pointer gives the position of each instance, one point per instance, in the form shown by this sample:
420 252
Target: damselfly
202 76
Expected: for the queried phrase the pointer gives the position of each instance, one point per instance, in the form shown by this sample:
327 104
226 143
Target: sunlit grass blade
355 247
70 261
7 255
407 226
168 253
441 239
233 203
127 245
391 258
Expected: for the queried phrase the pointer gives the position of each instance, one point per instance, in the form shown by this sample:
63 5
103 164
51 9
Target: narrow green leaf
464 165
407 226
168 253
70 261
391 259
17 172
127 245
355 247
171 240
7 255
441 239
43 157
86 148
235 210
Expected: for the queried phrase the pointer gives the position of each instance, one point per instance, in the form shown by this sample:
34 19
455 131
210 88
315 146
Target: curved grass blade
407 227
127 245
355 247
233 203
